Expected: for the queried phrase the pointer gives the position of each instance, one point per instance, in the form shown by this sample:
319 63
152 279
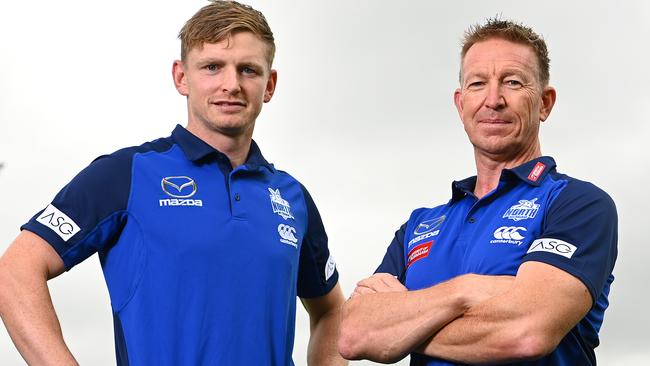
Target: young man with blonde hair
204 245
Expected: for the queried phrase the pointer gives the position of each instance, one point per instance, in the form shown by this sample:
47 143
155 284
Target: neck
235 147
489 168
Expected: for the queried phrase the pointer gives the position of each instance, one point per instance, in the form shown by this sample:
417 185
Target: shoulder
117 165
575 192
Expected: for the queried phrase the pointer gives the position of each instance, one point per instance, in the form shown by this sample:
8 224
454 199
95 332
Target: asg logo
58 222
554 246
180 188
509 233
287 235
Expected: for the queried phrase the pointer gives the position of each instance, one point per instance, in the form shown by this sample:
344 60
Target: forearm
322 342
385 327
28 315
491 332
526 322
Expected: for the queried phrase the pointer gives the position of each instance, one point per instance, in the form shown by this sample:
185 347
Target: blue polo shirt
534 214
202 262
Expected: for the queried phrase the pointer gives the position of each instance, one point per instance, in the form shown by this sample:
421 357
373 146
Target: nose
494 98
230 81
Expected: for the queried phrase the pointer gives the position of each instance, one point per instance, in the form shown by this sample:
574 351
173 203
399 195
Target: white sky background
362 115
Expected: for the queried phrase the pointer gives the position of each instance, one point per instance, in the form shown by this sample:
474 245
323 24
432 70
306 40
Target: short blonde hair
221 19
513 32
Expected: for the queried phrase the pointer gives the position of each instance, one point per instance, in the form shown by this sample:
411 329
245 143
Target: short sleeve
579 235
393 261
317 274
88 213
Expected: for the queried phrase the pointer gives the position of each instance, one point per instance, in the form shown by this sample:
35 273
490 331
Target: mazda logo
179 187
429 225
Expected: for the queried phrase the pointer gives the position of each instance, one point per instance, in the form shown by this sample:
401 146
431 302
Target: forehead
240 45
498 53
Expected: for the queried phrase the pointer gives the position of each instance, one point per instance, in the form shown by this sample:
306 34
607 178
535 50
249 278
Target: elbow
529 345
352 348
356 341
351 336
534 346
348 348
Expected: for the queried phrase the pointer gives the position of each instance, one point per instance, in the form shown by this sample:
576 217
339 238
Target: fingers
362 290
379 282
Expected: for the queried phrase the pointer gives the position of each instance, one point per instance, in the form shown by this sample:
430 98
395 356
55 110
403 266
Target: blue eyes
248 70
510 83
245 70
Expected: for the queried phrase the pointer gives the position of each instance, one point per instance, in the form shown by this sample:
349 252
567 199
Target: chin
232 129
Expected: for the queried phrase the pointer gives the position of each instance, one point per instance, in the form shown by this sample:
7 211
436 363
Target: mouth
229 103
229 106
493 121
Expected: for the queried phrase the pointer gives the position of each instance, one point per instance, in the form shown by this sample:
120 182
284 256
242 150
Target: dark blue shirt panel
570 207
393 261
96 200
314 256
585 216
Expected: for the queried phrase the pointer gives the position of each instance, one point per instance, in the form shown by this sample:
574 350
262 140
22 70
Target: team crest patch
523 210
280 205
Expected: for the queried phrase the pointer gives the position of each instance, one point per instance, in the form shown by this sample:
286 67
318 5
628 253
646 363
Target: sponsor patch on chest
418 252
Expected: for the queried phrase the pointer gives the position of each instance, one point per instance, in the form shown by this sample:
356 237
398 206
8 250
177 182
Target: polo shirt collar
532 172
196 149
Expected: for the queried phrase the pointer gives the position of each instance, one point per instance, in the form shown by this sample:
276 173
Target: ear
180 79
458 101
548 101
270 86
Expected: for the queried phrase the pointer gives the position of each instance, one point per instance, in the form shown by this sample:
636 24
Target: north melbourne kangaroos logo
524 210
280 205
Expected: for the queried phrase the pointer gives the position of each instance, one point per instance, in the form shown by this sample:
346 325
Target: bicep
316 307
29 254
551 300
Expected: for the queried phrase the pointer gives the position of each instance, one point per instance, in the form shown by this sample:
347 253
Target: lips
229 106
493 121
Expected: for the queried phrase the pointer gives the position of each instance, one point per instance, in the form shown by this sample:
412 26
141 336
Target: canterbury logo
287 234
179 187
509 233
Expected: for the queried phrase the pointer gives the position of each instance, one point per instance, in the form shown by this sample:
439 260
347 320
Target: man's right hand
379 282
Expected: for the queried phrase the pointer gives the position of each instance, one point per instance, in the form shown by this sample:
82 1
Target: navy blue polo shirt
534 214
203 262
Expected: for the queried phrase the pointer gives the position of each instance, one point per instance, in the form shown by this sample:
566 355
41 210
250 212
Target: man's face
226 83
501 100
